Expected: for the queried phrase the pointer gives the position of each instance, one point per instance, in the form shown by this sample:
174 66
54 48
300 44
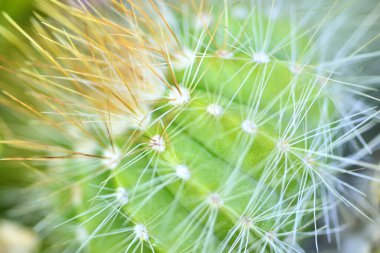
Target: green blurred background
14 237
21 12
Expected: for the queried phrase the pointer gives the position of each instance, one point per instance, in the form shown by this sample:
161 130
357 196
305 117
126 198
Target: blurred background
17 236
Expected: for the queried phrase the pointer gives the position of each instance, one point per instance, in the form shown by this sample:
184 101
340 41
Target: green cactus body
206 166
233 149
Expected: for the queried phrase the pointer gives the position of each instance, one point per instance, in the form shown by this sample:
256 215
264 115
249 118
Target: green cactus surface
197 126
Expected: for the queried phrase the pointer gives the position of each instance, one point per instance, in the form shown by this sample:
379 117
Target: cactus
213 127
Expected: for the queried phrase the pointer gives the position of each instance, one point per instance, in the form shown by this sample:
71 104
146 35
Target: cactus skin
223 149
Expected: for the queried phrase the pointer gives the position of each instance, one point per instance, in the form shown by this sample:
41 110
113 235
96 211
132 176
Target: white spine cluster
157 143
215 110
180 96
